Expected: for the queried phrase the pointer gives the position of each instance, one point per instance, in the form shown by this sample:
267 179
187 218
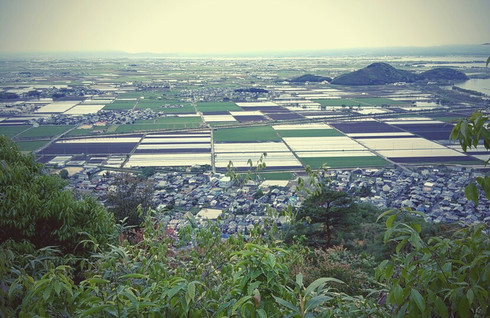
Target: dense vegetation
89 268
383 73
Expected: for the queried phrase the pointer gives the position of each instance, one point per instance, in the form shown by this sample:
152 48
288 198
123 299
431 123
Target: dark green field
345 162
368 101
11 131
44 131
265 133
207 107
31 145
120 105
309 133
161 123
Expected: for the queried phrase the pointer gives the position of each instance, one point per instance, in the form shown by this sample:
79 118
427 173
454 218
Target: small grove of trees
34 206
129 198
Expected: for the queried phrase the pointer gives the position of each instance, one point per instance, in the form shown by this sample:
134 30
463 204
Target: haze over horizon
225 26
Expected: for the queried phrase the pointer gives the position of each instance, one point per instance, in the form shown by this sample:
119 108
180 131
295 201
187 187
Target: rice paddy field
12 130
120 105
29 146
207 107
345 162
44 131
251 134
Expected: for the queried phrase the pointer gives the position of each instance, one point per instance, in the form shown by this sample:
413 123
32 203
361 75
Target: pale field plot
189 146
273 159
322 144
57 107
175 140
400 144
247 113
260 147
302 127
101 140
218 118
380 134
84 109
256 104
168 160
334 154
412 153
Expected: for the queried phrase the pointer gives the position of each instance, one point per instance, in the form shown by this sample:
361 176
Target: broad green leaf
316 301
94 310
136 276
285 303
471 192
240 302
299 279
441 308
383 214
398 293
416 297
463 307
320 281
390 220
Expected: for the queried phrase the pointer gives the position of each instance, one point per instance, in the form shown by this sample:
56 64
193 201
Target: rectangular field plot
412 153
44 131
177 108
84 109
345 162
57 107
207 107
162 124
277 175
168 160
284 116
120 105
11 131
433 131
260 147
31 145
309 133
250 118
155 104
218 118
274 160
301 127
94 146
400 144
322 144
379 135
265 133
247 105
364 127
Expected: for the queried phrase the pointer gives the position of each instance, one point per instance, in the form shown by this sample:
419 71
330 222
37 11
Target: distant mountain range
310 78
350 52
383 73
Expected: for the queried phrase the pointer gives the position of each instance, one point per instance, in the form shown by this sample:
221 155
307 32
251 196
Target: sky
225 26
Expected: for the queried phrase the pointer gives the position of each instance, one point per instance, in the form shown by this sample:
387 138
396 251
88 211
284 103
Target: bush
35 207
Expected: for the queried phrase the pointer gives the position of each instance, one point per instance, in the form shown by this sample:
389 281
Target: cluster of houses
184 197
438 191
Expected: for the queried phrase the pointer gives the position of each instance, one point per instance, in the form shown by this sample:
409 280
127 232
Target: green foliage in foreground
154 272
34 207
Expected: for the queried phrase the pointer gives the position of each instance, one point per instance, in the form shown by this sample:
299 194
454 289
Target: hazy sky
207 26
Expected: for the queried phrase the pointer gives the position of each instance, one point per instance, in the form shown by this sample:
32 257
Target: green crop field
377 101
206 107
179 120
265 133
161 123
309 133
11 131
44 131
120 105
345 162
155 104
368 101
31 145
180 108
338 102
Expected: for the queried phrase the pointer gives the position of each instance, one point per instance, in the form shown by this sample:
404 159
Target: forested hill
383 73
